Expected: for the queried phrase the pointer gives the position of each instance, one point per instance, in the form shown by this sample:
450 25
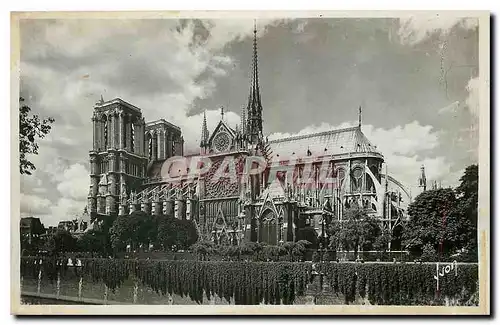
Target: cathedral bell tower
117 159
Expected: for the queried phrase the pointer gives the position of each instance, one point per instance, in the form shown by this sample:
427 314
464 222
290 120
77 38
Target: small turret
204 134
422 181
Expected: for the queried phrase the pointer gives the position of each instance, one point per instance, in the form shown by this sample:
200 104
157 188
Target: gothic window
124 134
105 133
221 142
109 129
150 147
267 228
340 176
132 137
357 178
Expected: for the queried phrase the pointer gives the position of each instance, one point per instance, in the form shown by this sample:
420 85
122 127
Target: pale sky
416 80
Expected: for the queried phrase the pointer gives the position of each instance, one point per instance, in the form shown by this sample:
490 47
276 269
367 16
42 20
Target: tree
174 232
357 230
187 234
94 241
381 243
167 232
203 248
254 249
63 242
295 249
273 252
308 233
30 128
429 253
437 219
127 230
467 205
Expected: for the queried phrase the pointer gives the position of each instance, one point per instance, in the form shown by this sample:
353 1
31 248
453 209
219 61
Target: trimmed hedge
250 283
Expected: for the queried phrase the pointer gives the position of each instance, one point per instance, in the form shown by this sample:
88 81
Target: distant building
68 225
77 226
51 230
31 230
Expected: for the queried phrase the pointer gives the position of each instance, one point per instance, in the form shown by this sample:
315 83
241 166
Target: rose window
221 142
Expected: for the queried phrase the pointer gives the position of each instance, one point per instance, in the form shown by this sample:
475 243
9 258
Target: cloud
417 28
74 183
71 183
472 100
65 209
34 205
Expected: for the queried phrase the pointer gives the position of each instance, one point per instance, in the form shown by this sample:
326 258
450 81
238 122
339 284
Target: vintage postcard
250 163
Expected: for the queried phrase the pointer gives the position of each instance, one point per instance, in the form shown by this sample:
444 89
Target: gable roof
333 142
222 125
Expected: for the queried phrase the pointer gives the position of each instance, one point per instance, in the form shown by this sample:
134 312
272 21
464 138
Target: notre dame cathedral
128 167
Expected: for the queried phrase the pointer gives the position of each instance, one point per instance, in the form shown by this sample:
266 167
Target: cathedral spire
254 109
359 117
204 132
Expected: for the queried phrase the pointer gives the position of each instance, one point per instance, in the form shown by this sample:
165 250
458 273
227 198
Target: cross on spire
222 112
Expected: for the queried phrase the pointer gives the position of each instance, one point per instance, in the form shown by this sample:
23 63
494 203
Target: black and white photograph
250 163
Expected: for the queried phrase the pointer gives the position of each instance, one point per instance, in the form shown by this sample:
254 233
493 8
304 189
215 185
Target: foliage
63 241
316 257
126 230
203 248
273 252
399 284
251 283
175 233
296 249
95 241
141 229
467 205
429 253
382 241
30 128
435 220
357 230
309 233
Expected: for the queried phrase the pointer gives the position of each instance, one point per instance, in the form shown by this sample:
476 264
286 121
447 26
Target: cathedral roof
275 189
333 142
